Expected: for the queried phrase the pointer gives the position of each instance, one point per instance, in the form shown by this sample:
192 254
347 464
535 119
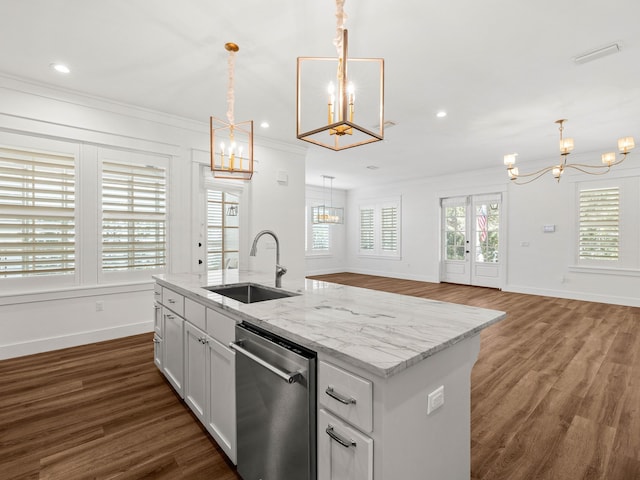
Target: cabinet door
173 349
343 453
221 396
157 319
157 351
195 363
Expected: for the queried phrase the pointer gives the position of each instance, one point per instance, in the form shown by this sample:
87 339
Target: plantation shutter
367 233
133 216
389 229
37 213
599 224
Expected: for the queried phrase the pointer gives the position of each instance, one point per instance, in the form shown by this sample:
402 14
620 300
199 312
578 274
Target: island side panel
408 443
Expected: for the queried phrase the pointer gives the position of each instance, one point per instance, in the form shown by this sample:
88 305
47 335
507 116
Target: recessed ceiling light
60 68
264 124
441 114
373 167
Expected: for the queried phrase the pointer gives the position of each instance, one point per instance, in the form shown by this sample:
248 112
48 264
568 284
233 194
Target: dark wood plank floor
555 395
100 411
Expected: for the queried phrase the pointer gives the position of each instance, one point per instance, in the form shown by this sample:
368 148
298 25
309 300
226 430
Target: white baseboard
586 297
73 340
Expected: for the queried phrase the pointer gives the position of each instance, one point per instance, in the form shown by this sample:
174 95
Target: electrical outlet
435 399
99 306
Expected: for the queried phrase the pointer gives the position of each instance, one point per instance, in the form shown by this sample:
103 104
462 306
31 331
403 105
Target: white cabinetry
195 359
344 453
195 364
221 396
157 326
173 349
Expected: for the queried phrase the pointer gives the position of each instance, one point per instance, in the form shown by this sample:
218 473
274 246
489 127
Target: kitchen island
407 360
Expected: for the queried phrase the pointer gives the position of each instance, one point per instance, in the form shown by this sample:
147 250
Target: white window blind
37 213
389 229
599 227
133 216
223 232
367 232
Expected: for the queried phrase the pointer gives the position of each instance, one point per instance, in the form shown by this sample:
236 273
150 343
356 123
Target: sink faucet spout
280 270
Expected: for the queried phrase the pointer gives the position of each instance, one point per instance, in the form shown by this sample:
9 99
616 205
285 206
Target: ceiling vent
597 53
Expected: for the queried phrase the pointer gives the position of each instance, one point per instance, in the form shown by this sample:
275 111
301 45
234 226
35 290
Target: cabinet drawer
342 451
347 395
174 301
195 313
157 293
221 327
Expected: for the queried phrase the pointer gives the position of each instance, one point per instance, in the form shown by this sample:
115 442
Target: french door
471 240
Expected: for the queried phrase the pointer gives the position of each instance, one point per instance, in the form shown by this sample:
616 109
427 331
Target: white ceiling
502 69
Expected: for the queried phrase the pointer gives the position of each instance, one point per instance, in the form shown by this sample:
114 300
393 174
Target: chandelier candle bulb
608 158
566 145
625 144
510 159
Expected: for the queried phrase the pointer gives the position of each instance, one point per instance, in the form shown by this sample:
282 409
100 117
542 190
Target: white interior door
471 240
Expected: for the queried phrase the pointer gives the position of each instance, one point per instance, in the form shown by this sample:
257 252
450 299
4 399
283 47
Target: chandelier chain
341 18
230 93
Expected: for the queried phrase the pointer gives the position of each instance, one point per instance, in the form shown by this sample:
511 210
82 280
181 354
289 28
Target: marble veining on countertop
380 332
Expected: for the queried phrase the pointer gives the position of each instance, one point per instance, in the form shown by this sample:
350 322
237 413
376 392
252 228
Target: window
599 224
133 216
223 231
37 213
379 232
455 229
320 235
607 228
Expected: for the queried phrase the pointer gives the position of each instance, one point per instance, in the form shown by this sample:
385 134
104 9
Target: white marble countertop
380 332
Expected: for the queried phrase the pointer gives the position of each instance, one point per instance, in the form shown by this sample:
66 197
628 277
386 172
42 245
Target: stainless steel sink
249 292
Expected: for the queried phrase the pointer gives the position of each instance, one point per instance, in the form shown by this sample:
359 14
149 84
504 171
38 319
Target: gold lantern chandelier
609 159
231 143
327 213
337 105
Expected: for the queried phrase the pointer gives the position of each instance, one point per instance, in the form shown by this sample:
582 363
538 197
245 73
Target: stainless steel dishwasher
275 407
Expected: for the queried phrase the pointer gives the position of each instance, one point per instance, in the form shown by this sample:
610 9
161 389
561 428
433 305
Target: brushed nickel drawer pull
339 397
339 438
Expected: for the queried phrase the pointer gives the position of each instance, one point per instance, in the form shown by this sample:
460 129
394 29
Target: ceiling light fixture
232 156
441 114
327 213
625 145
338 103
60 68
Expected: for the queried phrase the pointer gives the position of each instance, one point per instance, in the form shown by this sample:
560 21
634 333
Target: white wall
32 322
545 267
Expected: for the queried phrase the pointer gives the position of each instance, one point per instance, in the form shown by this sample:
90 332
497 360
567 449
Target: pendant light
231 143
346 79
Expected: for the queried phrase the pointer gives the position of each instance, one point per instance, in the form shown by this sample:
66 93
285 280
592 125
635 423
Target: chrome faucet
280 270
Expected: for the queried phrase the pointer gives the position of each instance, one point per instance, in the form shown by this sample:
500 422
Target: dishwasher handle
292 377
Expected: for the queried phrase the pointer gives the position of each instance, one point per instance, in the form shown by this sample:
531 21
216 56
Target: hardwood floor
555 395
100 411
